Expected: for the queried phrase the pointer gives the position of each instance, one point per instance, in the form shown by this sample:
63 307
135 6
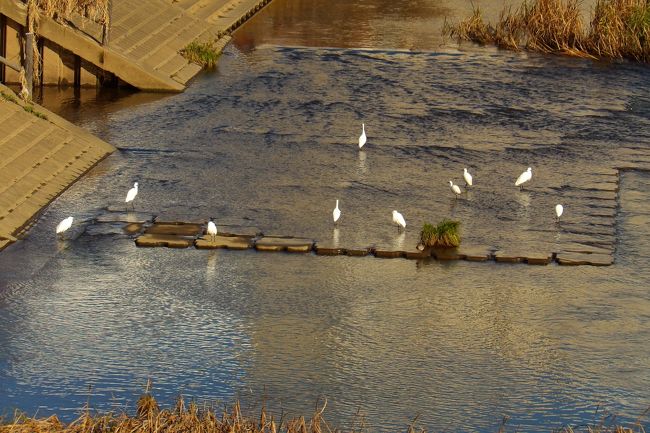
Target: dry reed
95 10
182 418
619 29
150 418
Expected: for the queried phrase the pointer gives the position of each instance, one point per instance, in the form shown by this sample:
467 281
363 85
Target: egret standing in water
398 219
212 229
336 213
468 178
454 188
362 137
523 178
559 210
130 196
63 226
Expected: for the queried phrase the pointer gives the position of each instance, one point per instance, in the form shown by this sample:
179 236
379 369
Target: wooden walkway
39 159
146 37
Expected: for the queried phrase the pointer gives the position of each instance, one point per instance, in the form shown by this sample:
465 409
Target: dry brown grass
96 10
618 29
182 418
191 418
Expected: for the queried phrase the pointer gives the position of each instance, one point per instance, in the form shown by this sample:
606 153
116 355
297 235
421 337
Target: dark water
269 139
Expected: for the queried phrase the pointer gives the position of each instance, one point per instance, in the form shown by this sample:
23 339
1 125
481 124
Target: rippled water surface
269 140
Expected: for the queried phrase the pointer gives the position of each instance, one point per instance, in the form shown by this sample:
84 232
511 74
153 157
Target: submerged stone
577 259
220 241
162 240
177 229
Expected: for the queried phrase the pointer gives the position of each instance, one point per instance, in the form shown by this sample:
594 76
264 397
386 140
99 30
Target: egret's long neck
363 127
337 204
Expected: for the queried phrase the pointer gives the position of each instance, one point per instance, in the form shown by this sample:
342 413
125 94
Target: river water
269 140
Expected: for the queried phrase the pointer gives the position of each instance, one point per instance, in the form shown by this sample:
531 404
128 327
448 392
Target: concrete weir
178 234
41 155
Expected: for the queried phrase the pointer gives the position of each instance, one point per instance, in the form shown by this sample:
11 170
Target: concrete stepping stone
507 257
289 244
328 249
577 259
163 240
540 258
476 253
176 229
576 247
388 253
415 254
220 241
530 257
444 254
359 251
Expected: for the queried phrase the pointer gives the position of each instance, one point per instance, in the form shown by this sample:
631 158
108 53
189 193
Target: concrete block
271 243
476 253
387 253
577 259
176 229
328 249
229 242
161 240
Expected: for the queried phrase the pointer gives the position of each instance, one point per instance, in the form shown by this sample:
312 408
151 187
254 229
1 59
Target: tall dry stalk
618 29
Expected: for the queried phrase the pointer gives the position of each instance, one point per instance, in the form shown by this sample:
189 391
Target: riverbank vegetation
190 418
205 54
618 29
96 10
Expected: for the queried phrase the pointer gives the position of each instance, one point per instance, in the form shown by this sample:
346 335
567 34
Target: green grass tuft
444 235
30 109
205 54
8 97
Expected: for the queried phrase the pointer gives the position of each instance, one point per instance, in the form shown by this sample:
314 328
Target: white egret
212 229
398 219
468 177
559 210
362 137
336 213
454 188
64 225
130 196
524 177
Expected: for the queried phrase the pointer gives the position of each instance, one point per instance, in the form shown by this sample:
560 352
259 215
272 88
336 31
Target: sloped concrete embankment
41 155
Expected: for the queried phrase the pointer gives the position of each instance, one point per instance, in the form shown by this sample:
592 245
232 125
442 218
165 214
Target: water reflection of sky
269 140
